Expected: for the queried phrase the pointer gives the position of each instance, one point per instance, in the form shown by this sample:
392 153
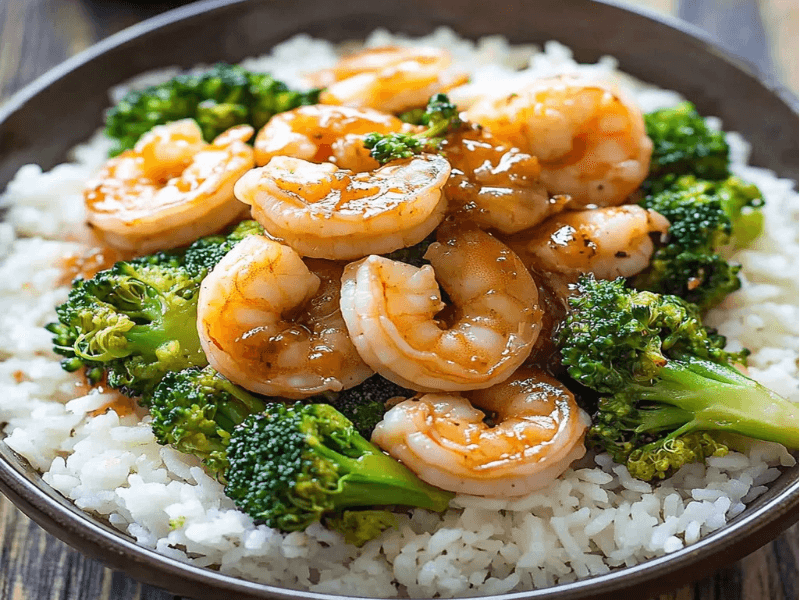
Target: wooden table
35 35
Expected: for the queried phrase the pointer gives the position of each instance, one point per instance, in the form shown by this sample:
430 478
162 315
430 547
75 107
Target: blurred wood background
35 35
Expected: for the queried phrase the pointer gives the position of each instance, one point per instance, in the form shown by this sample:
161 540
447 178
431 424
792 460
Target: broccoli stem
663 418
376 479
441 117
230 414
717 397
168 326
438 129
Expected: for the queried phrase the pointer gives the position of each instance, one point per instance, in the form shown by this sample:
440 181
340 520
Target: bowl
653 48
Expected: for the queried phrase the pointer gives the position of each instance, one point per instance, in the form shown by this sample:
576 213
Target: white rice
594 518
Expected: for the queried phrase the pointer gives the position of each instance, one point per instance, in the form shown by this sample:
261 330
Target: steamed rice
594 518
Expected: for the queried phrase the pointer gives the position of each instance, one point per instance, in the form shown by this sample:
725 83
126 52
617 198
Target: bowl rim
62 518
21 96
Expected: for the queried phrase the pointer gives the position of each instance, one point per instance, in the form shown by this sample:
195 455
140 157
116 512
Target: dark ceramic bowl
656 49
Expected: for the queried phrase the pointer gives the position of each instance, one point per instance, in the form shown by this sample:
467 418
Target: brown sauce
121 404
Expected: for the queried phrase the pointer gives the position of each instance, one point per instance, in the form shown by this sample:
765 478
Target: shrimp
590 139
326 212
389 78
272 324
445 440
393 312
323 133
170 189
496 186
609 242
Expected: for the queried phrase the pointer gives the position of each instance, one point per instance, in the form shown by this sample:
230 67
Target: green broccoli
206 252
683 144
413 116
224 96
137 321
360 526
195 410
741 202
440 116
134 322
365 404
293 465
704 216
665 380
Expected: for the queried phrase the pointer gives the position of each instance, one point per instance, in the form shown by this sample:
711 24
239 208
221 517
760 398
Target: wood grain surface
35 35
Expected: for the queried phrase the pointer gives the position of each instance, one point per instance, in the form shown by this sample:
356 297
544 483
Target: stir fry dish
362 297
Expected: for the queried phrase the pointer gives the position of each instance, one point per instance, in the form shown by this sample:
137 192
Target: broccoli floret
133 322
683 144
413 116
738 201
441 118
360 526
703 278
365 404
224 96
292 465
137 321
670 455
206 252
704 216
664 378
195 410
741 202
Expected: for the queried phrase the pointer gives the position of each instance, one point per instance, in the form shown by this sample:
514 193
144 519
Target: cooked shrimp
589 138
171 189
609 242
323 133
272 324
393 312
538 432
327 212
390 78
494 185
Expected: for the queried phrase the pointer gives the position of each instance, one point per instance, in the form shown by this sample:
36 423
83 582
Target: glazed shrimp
589 138
390 78
393 312
446 441
323 133
326 212
494 185
170 189
272 324
609 242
